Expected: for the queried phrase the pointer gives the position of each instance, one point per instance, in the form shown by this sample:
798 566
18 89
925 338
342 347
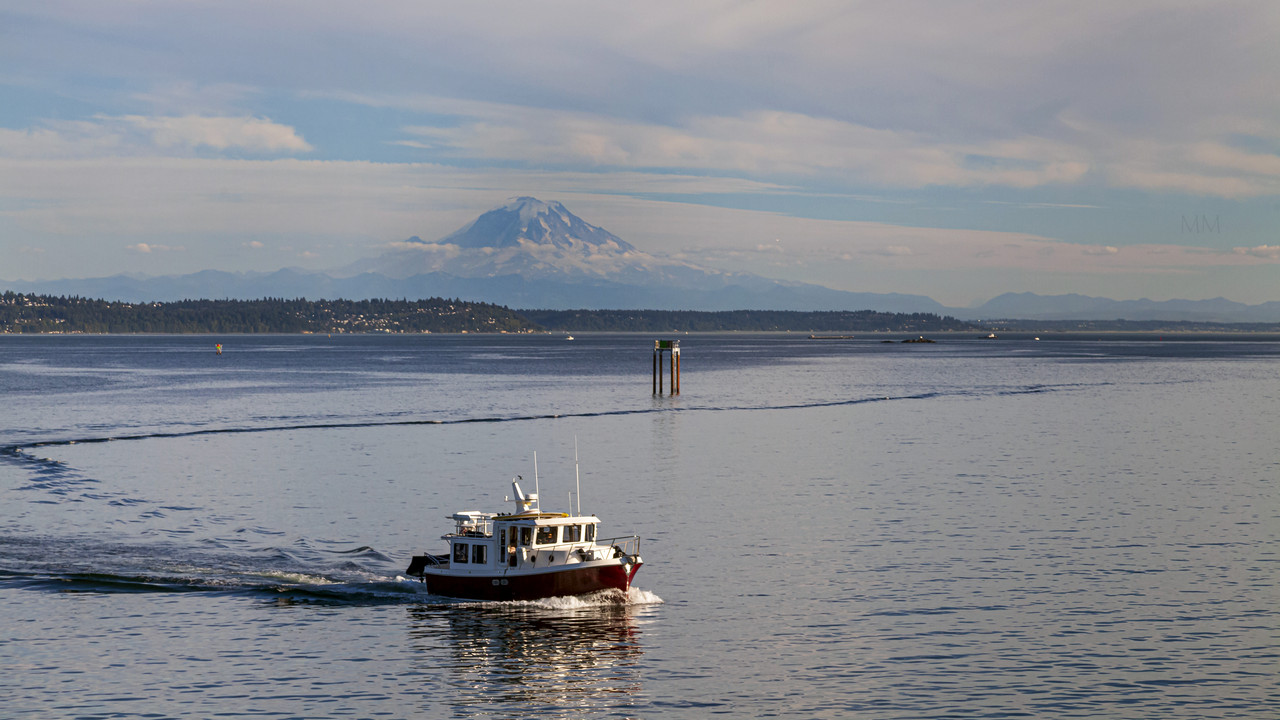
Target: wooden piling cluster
670 348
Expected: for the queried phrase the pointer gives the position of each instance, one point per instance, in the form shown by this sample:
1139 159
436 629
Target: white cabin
484 542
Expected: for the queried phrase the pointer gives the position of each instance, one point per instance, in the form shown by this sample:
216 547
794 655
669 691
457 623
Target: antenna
577 478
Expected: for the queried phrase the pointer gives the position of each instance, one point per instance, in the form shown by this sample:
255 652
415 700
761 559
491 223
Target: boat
527 554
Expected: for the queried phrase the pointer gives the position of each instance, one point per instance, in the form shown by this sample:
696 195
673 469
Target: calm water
1077 527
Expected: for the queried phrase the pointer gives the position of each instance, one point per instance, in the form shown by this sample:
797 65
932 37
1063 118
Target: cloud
891 251
184 98
138 135
59 140
902 95
1270 252
834 249
219 133
424 247
773 144
158 197
148 248
253 245
761 143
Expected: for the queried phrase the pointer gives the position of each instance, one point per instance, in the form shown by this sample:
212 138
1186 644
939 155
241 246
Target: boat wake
61 564
18 452
602 599
81 565
300 588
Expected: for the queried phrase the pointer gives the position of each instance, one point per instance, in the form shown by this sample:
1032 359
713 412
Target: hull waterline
532 586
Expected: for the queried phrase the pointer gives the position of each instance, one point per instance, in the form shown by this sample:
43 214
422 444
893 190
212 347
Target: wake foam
602 599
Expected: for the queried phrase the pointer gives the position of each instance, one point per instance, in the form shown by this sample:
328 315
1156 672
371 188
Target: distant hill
1030 306
742 320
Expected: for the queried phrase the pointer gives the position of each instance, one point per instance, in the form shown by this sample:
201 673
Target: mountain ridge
533 254
515 291
1073 306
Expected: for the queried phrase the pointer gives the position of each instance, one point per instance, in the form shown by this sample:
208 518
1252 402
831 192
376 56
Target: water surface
1078 527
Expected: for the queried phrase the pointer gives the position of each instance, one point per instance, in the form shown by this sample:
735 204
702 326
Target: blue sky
956 150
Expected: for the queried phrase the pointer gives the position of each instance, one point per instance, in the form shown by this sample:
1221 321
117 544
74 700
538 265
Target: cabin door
507 540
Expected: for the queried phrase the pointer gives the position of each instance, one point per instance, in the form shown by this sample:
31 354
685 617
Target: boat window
526 536
459 552
478 554
572 533
591 533
547 535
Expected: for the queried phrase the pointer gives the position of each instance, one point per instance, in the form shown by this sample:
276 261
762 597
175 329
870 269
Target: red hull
531 586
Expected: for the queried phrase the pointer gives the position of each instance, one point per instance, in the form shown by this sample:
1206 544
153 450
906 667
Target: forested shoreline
25 313
21 313
35 314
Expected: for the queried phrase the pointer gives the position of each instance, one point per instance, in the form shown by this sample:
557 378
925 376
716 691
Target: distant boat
992 336
568 337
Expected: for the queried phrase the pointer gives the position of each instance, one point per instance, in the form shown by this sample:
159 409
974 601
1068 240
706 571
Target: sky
955 150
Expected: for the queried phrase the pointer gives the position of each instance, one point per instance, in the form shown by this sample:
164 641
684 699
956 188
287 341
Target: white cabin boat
526 555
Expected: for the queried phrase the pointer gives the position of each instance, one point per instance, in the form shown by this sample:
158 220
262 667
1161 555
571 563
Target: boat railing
473 524
422 562
627 545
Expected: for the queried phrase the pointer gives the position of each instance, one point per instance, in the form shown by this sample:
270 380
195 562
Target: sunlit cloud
148 248
137 135
1270 252
219 133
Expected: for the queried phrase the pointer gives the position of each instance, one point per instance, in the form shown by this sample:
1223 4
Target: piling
671 349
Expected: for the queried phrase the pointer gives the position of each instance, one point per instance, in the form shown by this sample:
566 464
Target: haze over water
1077 527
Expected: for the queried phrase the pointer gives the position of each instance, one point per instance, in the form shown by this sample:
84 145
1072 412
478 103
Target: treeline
742 320
20 313
25 313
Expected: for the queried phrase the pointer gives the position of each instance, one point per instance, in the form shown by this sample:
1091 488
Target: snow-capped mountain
535 240
528 221
530 253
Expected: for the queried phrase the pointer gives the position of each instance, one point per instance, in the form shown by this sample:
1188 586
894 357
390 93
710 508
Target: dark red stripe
578 581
